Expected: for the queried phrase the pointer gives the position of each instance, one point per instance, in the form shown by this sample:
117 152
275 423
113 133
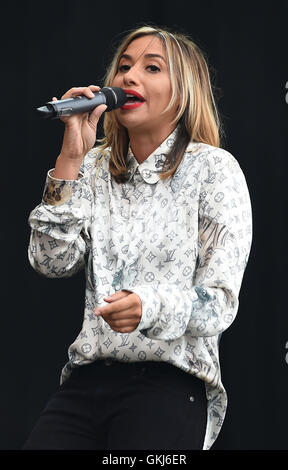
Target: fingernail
97 311
108 298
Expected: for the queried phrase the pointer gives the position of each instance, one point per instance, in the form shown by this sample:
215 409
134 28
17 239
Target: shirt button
146 173
191 398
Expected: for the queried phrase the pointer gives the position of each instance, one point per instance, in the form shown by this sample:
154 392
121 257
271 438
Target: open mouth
134 100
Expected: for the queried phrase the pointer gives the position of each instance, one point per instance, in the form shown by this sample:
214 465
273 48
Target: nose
130 77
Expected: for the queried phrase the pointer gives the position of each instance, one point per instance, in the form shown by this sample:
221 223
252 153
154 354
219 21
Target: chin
130 122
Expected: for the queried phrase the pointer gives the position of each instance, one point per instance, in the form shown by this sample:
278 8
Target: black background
48 47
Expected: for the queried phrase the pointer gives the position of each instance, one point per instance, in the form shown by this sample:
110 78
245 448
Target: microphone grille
115 97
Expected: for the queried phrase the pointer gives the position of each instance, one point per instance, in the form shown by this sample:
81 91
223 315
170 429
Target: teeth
129 95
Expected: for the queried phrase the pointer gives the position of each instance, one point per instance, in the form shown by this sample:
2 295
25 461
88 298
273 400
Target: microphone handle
76 105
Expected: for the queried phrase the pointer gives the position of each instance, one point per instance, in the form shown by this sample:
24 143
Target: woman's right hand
80 129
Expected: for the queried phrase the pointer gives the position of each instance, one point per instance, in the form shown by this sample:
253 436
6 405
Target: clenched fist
124 311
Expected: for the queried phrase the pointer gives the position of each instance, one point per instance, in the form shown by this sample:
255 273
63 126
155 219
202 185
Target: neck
143 144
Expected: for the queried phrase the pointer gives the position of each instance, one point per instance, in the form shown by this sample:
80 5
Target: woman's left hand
123 313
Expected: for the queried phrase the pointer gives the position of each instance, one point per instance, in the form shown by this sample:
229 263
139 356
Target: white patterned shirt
182 244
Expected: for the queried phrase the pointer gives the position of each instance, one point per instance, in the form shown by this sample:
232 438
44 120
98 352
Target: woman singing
160 216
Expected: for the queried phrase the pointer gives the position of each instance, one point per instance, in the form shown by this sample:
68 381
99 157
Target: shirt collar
151 168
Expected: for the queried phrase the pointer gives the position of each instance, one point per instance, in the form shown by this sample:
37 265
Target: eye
153 68
124 68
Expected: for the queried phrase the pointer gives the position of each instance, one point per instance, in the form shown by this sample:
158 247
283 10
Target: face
143 70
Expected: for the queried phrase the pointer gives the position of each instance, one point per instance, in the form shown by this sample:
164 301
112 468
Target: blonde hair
197 114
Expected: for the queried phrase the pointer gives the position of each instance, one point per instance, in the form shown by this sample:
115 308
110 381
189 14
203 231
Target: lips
134 100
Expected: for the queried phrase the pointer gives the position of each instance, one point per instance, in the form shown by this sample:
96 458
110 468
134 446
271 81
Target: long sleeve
60 224
224 242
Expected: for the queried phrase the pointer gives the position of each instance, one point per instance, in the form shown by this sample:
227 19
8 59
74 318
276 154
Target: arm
60 224
60 231
224 242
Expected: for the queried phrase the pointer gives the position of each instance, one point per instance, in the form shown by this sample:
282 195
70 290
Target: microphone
113 97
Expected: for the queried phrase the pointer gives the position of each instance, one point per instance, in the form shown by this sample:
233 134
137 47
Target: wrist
67 168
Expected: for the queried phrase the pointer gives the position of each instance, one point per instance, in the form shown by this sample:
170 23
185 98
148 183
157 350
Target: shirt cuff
150 306
58 191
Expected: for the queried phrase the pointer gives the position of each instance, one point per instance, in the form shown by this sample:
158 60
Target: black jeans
110 405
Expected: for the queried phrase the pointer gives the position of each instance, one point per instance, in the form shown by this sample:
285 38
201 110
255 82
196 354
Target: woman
164 231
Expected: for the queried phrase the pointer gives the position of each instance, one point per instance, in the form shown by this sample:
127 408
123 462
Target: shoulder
208 155
211 163
207 170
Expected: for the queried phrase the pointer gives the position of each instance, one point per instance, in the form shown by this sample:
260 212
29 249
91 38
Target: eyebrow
147 56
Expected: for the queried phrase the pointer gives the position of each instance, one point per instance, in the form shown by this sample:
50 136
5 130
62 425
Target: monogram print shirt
182 244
